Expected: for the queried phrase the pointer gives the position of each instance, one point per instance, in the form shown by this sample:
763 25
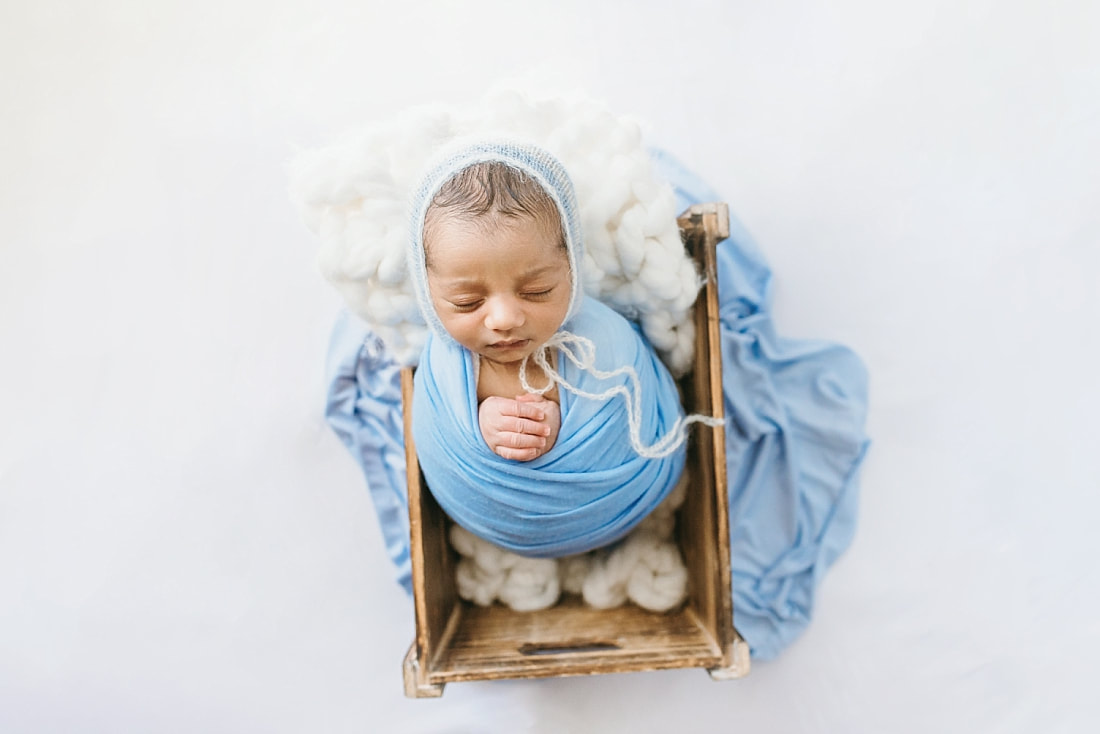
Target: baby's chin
512 352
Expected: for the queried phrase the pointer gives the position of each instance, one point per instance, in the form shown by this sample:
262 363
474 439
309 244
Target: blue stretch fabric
592 488
795 440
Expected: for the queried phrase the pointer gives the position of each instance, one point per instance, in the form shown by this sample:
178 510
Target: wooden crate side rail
703 226
433 579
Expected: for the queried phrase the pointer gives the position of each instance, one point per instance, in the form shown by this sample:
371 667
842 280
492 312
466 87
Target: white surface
184 546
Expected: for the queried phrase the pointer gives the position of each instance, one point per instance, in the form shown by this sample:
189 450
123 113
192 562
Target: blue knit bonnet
540 165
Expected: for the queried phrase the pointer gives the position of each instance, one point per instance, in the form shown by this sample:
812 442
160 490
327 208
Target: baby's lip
509 344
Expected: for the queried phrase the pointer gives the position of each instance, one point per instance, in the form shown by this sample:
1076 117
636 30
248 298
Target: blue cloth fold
363 408
591 488
795 440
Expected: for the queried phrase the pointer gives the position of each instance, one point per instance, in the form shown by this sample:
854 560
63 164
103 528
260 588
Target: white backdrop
185 546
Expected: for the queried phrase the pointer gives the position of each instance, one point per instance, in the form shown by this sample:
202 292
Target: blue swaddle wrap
795 440
586 492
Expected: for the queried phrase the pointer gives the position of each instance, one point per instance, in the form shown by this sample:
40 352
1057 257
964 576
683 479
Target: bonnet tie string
581 351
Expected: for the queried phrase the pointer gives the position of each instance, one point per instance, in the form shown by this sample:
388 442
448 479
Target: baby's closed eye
465 306
539 294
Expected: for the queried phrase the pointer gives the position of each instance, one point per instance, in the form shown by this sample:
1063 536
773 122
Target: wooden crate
459 641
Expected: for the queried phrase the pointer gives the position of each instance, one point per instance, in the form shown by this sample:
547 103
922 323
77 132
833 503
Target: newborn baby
545 423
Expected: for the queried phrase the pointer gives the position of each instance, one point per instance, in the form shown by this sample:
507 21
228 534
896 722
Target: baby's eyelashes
464 307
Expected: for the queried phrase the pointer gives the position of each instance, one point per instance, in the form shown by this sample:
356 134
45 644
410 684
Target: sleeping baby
544 422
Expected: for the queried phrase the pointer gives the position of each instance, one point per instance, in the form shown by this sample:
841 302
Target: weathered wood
415 685
571 638
433 574
704 519
459 641
739 665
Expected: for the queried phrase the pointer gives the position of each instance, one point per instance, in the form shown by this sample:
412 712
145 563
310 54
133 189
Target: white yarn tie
582 353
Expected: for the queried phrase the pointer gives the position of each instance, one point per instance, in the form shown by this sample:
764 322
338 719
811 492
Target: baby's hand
522 429
552 420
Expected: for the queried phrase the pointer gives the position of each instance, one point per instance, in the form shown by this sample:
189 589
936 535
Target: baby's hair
492 188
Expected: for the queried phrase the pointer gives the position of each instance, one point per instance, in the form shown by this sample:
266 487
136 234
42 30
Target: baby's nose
504 314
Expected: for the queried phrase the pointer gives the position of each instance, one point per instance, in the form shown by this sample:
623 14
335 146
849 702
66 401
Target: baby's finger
527 409
521 441
517 454
531 428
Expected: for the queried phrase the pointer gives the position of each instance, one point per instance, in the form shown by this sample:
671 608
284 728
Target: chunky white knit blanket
356 196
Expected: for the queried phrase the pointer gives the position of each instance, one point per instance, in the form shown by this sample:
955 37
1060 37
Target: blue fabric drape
795 440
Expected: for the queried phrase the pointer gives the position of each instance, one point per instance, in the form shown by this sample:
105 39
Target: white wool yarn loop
659 576
532 584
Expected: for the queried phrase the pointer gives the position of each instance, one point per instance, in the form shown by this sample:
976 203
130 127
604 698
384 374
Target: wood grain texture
431 558
571 638
415 684
706 517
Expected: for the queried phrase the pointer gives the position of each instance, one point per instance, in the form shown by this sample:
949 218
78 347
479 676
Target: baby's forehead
495 221
522 232
453 228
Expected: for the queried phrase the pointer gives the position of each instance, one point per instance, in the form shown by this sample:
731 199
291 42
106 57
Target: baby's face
501 286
